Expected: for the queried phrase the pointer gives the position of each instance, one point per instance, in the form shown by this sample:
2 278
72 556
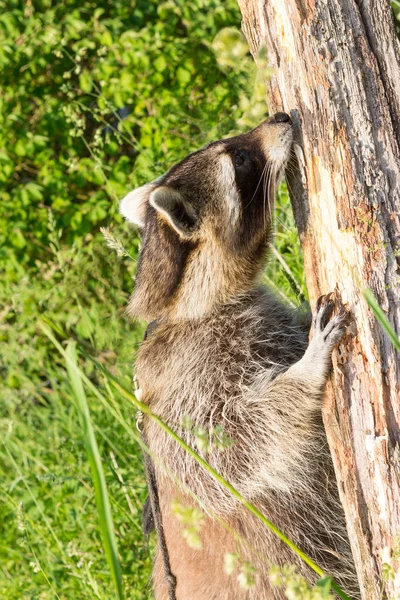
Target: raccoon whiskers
289 187
266 194
264 197
272 188
265 169
270 180
291 162
292 153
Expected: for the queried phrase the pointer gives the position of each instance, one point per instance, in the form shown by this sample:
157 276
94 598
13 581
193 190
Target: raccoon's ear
171 205
133 206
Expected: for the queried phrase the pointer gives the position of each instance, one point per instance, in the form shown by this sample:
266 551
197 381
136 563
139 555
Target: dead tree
336 69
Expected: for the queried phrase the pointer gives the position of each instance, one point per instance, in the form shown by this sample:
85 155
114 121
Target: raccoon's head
207 222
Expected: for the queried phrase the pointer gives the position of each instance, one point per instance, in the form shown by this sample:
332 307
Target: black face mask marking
207 223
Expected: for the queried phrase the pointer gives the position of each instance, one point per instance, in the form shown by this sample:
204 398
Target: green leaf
160 64
17 239
35 191
183 76
85 81
381 318
325 585
20 148
106 39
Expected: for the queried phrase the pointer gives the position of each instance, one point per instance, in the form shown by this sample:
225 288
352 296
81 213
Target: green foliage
296 586
49 533
96 98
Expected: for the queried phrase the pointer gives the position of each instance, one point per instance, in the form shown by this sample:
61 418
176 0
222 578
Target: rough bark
337 71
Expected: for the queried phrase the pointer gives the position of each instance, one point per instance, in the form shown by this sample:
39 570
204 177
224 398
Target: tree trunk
336 70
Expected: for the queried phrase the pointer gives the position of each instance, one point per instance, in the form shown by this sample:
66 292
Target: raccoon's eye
239 158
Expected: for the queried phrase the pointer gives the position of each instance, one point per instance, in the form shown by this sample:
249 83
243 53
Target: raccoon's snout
277 136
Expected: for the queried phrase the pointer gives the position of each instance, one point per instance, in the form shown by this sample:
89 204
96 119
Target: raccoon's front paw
329 329
329 324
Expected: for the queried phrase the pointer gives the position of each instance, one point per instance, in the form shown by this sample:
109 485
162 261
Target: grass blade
102 499
381 317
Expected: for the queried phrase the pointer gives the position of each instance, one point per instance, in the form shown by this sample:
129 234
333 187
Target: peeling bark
337 71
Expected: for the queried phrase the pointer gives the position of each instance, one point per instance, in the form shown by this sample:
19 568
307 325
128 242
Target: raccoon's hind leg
290 454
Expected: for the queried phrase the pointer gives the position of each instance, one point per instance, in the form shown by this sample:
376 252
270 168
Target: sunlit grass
50 537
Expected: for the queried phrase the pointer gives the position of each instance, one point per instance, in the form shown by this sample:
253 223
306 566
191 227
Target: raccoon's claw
329 330
336 328
323 311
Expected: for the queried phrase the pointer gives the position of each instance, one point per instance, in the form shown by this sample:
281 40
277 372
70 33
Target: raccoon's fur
226 355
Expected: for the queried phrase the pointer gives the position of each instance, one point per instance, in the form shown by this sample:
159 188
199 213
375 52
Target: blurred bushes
97 98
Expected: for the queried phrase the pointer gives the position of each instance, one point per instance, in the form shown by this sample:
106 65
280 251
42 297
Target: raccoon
227 357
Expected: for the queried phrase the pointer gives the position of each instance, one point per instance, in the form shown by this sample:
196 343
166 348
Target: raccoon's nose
281 117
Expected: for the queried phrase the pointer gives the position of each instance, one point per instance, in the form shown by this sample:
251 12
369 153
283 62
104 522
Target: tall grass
50 539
